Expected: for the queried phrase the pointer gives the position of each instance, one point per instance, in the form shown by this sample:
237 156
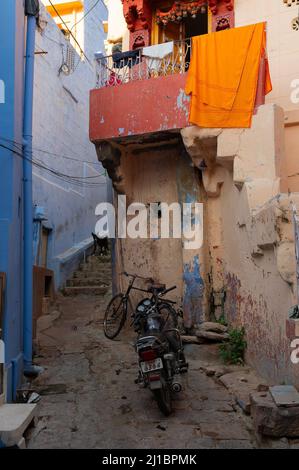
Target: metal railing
116 69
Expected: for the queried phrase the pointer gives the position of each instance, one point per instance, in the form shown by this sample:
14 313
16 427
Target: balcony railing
116 69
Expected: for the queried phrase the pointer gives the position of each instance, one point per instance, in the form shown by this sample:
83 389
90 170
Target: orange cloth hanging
223 76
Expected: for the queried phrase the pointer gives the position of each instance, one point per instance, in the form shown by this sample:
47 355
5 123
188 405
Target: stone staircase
92 278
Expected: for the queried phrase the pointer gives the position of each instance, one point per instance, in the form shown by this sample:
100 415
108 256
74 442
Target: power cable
87 13
76 180
19 146
51 153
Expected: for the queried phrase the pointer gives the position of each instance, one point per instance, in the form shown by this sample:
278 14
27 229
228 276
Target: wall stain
193 297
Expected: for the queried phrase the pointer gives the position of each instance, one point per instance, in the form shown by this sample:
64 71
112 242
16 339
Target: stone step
87 281
91 267
85 290
99 260
104 275
14 420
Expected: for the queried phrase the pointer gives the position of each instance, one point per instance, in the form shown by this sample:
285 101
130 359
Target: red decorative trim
182 8
179 10
138 15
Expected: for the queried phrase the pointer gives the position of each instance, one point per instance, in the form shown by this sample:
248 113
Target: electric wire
74 180
51 153
87 13
67 28
20 148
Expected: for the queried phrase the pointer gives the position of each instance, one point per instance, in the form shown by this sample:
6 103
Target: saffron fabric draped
223 76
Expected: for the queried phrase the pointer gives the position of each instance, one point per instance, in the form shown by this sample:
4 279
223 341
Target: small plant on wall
233 350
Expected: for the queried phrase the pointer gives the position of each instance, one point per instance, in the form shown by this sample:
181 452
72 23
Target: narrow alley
149 227
90 400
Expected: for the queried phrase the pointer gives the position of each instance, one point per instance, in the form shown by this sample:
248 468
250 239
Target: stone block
285 395
261 146
270 420
228 144
14 420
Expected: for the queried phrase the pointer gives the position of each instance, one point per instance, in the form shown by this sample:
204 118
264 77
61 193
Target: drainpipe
31 11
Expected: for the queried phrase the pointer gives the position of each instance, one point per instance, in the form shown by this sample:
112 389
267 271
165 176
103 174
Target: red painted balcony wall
139 107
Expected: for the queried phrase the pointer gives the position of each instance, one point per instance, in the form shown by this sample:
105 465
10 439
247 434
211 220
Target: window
173 23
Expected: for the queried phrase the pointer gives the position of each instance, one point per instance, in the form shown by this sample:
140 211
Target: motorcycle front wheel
163 398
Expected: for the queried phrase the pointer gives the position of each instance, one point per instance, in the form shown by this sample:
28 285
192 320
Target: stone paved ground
90 399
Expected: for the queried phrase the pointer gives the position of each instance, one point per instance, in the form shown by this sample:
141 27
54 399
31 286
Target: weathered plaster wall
258 274
250 241
129 110
162 173
60 127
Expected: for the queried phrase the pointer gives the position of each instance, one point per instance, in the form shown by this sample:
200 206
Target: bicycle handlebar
169 290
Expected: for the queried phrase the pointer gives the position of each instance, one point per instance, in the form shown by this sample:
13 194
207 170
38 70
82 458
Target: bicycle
117 309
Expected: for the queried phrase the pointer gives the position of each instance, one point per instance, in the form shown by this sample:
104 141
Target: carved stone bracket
110 157
138 14
214 5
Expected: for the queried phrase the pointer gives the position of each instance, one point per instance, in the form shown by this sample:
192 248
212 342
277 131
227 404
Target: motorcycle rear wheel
163 398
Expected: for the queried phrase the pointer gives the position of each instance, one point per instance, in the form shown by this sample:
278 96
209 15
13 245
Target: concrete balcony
139 98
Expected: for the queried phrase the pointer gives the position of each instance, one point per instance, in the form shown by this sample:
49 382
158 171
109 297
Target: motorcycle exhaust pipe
176 386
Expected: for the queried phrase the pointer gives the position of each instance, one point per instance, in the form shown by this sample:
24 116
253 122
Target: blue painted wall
11 73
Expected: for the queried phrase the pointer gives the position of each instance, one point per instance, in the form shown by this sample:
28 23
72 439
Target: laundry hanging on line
156 53
128 58
223 76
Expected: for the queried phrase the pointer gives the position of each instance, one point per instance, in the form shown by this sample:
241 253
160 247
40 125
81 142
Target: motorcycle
159 347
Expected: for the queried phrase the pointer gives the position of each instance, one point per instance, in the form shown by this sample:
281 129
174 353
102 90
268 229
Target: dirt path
90 399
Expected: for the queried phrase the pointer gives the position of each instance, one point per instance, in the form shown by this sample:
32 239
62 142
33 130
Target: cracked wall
250 253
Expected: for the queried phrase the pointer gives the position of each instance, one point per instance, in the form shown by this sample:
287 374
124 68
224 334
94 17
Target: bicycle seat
157 288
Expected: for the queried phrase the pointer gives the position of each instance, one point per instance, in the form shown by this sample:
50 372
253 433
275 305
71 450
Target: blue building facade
12 24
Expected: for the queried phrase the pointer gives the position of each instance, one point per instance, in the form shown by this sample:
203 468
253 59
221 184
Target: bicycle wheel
115 316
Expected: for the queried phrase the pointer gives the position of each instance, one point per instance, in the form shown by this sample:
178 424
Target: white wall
61 127
117 26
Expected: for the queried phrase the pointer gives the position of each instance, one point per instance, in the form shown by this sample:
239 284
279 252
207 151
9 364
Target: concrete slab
14 420
285 395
